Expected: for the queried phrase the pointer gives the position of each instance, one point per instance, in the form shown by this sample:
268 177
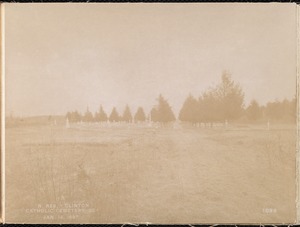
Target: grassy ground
157 175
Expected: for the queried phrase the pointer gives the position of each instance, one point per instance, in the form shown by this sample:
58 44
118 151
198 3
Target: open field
157 175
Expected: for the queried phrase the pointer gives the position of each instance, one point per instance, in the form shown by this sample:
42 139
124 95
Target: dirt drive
156 175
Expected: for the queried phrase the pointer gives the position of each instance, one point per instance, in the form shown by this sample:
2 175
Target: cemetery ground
131 174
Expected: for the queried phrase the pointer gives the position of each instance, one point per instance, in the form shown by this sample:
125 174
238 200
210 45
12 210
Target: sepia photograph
181 113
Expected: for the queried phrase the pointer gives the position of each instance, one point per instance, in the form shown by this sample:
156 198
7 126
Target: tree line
101 116
224 102
162 112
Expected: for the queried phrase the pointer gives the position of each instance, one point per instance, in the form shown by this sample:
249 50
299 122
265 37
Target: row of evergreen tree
160 113
224 102
101 116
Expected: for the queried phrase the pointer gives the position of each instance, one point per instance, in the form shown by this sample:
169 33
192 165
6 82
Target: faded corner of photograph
157 113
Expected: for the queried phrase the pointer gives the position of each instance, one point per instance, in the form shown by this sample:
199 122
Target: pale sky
65 57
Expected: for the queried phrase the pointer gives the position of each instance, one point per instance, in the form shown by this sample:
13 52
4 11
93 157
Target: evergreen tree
190 110
114 116
223 102
140 115
127 117
284 111
164 111
101 115
88 116
154 114
254 111
231 97
73 116
210 106
274 110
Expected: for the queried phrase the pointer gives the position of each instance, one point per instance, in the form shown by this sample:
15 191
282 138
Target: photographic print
149 113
